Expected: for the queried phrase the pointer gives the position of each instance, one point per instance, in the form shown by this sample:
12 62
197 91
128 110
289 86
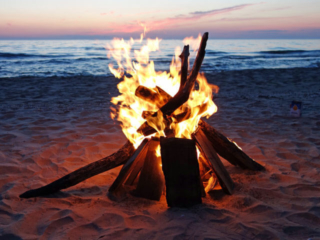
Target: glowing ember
141 71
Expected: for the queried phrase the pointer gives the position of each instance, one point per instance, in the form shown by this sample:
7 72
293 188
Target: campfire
170 149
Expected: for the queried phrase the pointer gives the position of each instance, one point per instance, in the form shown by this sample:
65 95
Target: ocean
47 58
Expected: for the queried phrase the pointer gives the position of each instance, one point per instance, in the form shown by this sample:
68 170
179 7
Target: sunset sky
70 19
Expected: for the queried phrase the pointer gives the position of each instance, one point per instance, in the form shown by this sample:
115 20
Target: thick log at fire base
181 170
137 157
151 180
116 159
213 159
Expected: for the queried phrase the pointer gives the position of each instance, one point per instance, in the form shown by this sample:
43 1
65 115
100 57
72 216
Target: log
186 83
227 149
181 170
136 170
116 159
155 96
223 146
138 156
213 159
151 180
204 168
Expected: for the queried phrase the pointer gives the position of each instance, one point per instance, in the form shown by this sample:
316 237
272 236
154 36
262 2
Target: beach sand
52 126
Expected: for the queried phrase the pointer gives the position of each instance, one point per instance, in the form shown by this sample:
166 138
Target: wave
95 48
289 51
211 52
26 55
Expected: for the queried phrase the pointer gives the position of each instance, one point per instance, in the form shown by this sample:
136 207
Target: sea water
47 58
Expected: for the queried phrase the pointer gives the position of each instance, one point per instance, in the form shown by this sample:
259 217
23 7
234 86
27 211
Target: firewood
138 156
151 180
136 170
155 96
213 159
116 159
227 149
181 170
186 83
223 146
204 168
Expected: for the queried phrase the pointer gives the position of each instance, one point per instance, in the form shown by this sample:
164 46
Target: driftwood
215 163
181 170
227 149
151 180
138 155
116 159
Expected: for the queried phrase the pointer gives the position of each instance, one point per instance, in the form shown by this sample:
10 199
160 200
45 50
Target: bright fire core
135 68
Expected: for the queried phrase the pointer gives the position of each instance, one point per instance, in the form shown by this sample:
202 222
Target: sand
50 127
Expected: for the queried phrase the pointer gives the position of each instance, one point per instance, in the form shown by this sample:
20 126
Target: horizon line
165 38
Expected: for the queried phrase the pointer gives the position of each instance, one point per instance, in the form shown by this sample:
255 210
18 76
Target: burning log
179 158
181 170
155 96
151 180
116 159
139 155
223 146
186 84
215 163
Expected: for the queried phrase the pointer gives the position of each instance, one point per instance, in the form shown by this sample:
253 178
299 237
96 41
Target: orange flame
141 71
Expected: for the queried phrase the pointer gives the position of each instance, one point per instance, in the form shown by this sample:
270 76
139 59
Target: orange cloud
177 20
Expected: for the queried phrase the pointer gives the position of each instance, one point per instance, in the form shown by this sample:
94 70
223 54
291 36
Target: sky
167 19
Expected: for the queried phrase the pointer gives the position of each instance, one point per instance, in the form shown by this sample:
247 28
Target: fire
135 68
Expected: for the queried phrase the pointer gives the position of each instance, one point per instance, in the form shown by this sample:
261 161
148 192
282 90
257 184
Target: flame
141 71
158 152
192 42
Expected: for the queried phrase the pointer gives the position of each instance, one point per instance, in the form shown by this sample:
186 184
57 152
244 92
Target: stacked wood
215 163
151 180
181 170
227 149
179 159
136 158
223 146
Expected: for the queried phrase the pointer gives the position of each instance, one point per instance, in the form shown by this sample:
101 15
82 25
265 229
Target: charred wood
215 163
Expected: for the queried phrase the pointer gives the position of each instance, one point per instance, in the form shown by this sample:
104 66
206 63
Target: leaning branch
116 159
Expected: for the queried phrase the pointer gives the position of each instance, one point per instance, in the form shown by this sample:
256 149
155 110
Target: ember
161 117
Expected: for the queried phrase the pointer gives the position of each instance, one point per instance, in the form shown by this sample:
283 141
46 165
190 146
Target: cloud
183 19
222 10
275 9
253 19
165 24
